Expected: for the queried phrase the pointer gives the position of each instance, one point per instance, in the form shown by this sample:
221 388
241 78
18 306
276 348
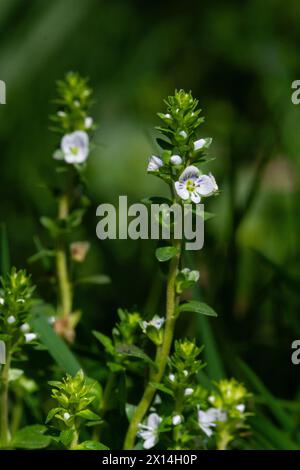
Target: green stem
74 442
17 413
223 441
104 405
64 285
162 353
4 428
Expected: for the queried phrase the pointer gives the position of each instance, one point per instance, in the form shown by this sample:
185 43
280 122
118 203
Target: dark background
239 59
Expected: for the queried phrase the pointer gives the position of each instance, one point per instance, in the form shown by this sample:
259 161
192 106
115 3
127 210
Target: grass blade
55 345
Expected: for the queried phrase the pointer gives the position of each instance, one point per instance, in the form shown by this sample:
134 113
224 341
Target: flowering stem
4 430
162 352
65 288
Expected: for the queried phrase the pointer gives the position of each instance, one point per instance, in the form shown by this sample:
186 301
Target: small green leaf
165 253
164 144
162 388
105 341
52 413
133 351
50 225
91 445
88 414
66 437
197 307
14 374
31 437
130 410
115 367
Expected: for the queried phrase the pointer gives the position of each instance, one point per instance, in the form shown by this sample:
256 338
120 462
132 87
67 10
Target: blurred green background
239 59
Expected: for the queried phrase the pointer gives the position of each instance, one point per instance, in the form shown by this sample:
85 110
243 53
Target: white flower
157 322
51 320
185 373
2 302
202 143
172 377
183 134
211 398
241 408
168 116
191 275
199 144
30 337
208 419
11 319
149 431
61 114
154 163
67 416
88 122
157 400
192 185
176 420
188 392
75 147
176 160
25 328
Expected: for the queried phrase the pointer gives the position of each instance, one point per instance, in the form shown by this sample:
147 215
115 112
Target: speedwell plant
148 384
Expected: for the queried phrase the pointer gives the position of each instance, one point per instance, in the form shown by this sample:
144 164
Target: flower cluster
191 416
74 397
72 119
15 301
181 150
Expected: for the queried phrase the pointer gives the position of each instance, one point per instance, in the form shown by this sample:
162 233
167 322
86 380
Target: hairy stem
4 427
162 354
64 285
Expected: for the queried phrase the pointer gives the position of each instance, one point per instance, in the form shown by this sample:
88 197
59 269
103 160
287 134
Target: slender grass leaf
105 341
55 345
279 438
4 250
271 402
98 279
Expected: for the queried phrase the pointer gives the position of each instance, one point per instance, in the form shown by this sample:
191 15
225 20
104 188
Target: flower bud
176 160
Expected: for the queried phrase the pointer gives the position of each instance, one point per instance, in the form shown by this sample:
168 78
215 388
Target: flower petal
154 163
150 442
205 186
181 190
154 420
195 197
191 172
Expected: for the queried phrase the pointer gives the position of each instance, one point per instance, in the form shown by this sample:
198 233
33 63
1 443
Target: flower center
74 150
190 185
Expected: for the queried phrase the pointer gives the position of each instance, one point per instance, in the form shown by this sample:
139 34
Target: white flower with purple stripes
193 185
